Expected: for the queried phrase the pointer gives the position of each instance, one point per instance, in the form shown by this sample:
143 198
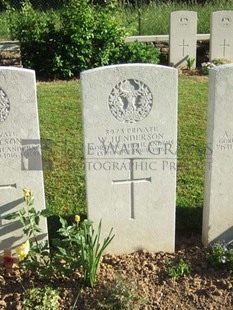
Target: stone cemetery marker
130 129
20 154
218 210
221 35
182 38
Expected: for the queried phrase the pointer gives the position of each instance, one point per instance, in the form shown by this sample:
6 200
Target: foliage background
80 37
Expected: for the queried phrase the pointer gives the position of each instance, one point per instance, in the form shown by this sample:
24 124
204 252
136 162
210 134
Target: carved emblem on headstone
4 106
225 21
130 101
184 21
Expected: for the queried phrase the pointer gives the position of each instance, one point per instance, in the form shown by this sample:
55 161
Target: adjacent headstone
182 38
130 138
20 153
221 35
218 208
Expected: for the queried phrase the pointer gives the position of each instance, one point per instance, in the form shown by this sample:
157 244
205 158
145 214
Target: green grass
60 124
60 121
192 124
154 18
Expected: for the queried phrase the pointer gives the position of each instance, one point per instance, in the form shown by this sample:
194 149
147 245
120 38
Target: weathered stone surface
221 36
218 210
20 153
183 38
130 130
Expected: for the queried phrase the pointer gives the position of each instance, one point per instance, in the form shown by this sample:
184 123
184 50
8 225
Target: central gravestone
20 152
130 137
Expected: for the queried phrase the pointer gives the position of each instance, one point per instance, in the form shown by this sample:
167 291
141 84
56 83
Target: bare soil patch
205 288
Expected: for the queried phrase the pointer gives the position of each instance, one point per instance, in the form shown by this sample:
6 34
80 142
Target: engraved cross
224 45
131 182
183 45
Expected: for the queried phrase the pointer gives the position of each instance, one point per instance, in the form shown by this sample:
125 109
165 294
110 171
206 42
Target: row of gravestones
183 36
130 143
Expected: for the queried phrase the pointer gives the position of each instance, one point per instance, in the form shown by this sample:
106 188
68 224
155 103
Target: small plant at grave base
220 256
44 298
190 63
91 250
79 247
177 269
206 66
31 253
121 294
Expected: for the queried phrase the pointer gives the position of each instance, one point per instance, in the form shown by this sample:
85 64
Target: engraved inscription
4 106
225 21
130 101
10 145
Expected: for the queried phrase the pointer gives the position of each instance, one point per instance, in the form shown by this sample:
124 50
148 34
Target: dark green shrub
138 52
37 35
80 37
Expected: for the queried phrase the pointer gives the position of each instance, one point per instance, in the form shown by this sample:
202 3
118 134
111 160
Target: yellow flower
77 218
23 250
27 192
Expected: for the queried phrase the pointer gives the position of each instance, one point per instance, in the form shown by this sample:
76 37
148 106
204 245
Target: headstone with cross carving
20 153
221 35
130 124
218 210
182 38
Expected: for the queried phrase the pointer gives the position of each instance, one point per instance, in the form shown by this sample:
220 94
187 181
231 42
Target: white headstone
130 134
20 153
221 35
218 209
182 38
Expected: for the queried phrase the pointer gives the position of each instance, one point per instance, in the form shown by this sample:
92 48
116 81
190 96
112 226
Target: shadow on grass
189 219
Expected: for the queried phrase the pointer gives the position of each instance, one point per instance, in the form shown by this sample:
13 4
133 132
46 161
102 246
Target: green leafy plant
78 245
32 252
45 298
91 250
82 35
190 63
220 256
121 294
67 256
177 269
138 52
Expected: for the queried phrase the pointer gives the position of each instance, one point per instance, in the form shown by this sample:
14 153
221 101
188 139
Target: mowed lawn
59 106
